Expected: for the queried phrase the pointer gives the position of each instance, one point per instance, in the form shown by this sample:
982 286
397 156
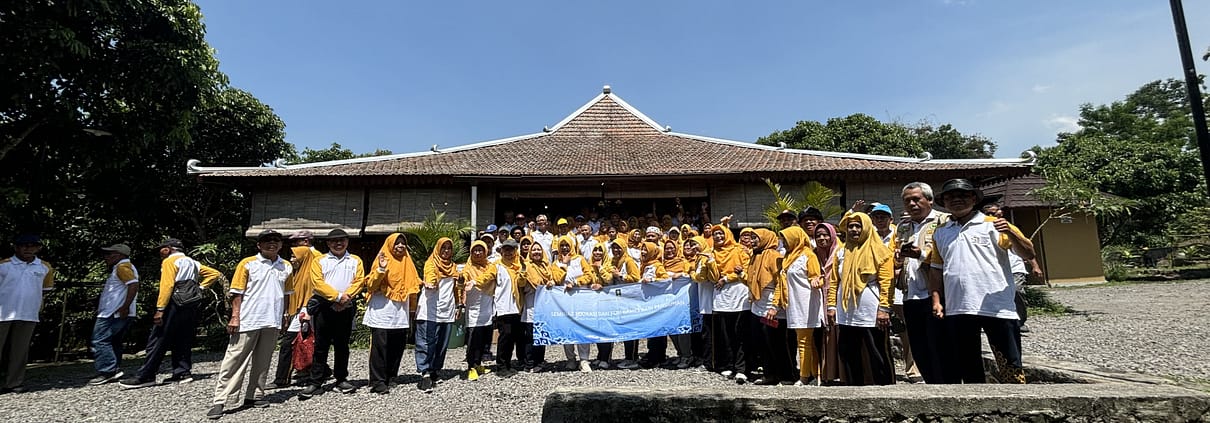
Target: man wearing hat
115 311
302 254
175 321
808 218
258 289
787 218
24 278
970 264
338 276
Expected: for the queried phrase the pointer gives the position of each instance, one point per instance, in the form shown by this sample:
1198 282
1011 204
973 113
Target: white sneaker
727 374
741 378
585 367
799 383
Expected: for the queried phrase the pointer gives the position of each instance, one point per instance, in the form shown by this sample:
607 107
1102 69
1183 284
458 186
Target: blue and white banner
616 313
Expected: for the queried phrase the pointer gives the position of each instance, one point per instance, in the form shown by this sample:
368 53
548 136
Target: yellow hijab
473 268
573 246
444 268
728 254
762 268
537 271
863 256
796 246
402 279
677 262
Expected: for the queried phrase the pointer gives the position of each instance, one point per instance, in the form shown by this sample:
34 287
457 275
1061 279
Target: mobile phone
773 323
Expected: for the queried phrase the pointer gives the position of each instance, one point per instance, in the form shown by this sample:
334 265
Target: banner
616 313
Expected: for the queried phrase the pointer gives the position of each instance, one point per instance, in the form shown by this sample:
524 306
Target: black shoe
135 382
426 383
277 384
310 391
260 403
344 387
765 381
103 378
216 411
180 378
380 388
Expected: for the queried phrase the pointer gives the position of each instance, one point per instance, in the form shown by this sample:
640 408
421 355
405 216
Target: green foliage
423 238
1140 149
813 194
863 134
1118 262
1040 303
333 152
1077 197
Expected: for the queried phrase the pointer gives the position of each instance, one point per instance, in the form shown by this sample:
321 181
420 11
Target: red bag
304 349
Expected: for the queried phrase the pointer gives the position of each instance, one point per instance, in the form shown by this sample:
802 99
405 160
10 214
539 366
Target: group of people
811 303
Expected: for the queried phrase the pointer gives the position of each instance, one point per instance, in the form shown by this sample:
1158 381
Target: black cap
171 242
268 234
27 239
787 213
810 212
337 234
959 184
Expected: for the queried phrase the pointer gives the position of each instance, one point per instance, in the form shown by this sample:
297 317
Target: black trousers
779 356
1003 335
285 357
873 342
729 330
927 334
510 328
332 330
176 335
700 342
604 351
527 352
477 342
386 352
630 350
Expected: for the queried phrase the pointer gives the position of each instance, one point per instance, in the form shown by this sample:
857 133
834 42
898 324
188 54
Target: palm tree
813 194
421 239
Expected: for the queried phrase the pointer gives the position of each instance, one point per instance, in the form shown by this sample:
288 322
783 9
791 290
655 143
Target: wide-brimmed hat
268 234
787 214
810 212
337 234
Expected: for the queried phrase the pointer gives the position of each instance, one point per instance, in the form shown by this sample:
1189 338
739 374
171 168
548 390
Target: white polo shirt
973 258
21 288
262 282
113 294
339 272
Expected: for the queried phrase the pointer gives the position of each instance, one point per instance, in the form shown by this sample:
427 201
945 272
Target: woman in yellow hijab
732 300
703 271
478 306
763 277
858 301
502 280
802 291
435 311
571 270
390 288
537 276
620 268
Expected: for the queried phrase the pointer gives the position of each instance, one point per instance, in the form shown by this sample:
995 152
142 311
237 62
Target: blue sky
406 75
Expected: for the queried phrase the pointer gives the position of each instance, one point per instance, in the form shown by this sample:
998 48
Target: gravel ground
1156 328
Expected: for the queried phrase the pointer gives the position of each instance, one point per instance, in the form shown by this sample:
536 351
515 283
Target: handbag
304 348
186 292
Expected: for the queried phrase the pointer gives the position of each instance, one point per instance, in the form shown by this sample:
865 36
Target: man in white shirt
542 235
115 311
24 278
586 240
912 243
258 308
337 277
970 263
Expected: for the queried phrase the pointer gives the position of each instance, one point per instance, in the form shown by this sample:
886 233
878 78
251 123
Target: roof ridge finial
606 90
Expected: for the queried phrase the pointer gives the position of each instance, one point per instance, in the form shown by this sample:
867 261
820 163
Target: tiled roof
1016 192
608 137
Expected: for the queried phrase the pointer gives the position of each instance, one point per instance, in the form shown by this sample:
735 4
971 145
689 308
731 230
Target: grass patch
1041 304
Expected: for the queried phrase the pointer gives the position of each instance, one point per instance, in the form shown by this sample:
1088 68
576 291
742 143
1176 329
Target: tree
813 194
136 70
863 134
1142 149
334 152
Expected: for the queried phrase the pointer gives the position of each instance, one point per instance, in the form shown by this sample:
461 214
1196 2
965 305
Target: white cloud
1062 123
1040 89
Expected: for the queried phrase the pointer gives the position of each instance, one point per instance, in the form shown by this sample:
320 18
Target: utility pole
1192 83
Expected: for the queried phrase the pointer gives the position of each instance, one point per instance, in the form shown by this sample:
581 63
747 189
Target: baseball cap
490 228
510 243
122 249
24 239
268 234
654 229
303 234
562 221
171 242
879 207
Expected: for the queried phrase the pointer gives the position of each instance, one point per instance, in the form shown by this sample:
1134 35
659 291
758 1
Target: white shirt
976 271
545 239
586 246
921 235
382 313
504 303
804 307
733 296
113 294
262 282
864 313
21 288
437 305
339 271
705 293
1018 265
478 309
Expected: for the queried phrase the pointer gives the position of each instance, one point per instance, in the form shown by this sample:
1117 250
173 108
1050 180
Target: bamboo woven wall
316 210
